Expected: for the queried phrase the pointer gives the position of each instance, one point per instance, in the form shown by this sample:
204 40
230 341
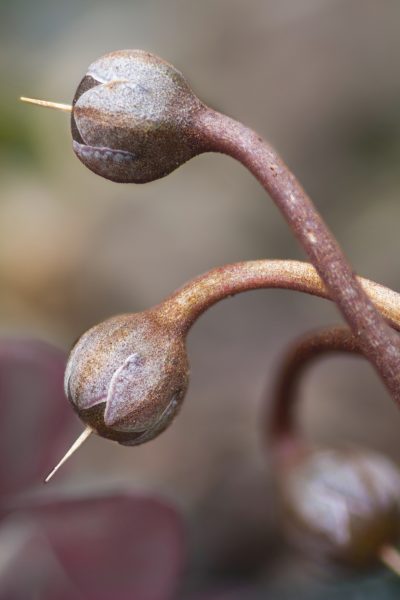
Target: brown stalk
184 307
379 343
280 425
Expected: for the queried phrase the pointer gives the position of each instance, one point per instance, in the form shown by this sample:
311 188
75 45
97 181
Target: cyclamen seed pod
126 377
132 117
135 119
342 505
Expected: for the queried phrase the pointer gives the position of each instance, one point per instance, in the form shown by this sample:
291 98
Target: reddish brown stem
280 421
183 307
380 344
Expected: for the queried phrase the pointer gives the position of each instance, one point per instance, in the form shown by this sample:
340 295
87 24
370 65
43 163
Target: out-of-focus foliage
36 422
385 586
17 140
118 544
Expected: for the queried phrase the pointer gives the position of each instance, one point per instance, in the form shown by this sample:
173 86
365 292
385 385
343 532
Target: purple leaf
36 420
239 592
119 547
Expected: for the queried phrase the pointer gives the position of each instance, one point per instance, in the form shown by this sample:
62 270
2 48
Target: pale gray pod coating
132 119
126 377
342 504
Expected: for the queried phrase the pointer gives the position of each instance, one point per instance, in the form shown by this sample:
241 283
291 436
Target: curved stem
219 133
288 447
182 308
280 423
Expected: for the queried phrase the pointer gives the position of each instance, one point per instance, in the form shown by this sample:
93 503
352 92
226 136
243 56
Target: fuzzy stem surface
188 303
380 344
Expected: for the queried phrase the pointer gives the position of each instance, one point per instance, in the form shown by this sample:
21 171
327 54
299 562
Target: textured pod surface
127 377
343 504
132 117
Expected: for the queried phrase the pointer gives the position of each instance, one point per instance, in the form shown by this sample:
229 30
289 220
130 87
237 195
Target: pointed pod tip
82 438
47 104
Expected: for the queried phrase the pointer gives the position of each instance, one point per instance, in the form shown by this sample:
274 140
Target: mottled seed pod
342 505
132 117
126 377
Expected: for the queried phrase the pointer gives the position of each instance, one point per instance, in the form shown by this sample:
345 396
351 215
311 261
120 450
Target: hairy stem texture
378 342
183 307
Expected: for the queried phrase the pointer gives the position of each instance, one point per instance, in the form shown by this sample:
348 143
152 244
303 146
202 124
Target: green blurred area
17 140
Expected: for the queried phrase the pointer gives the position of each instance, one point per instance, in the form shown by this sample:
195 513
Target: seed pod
342 504
126 377
132 117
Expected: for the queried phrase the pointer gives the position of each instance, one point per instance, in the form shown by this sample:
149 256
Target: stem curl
280 428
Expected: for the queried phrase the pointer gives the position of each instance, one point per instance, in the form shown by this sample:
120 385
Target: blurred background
317 78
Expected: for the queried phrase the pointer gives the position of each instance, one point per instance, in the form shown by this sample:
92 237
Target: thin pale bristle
83 437
390 556
47 104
